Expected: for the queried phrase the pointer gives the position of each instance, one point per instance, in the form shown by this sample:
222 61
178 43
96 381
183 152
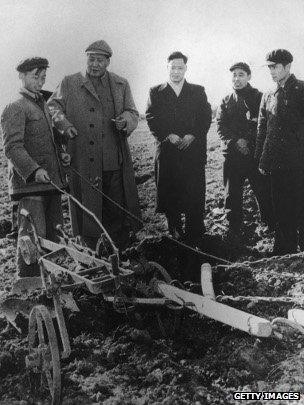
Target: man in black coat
280 149
237 118
179 117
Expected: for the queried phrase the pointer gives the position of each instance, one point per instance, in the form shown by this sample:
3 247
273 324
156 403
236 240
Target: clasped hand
181 143
242 146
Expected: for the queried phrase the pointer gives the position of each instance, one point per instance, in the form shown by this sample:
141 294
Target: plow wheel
43 360
169 317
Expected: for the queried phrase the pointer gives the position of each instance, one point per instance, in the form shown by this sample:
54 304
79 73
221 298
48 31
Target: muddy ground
124 359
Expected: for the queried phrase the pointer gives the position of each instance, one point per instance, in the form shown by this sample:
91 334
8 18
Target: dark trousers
46 213
234 175
287 188
113 218
188 202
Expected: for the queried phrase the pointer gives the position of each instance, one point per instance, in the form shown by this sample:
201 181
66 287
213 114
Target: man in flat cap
95 109
280 148
237 118
179 117
33 157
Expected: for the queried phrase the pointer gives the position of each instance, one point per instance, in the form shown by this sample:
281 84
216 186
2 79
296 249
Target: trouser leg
195 209
15 216
13 234
174 220
53 216
301 220
114 219
260 186
233 195
35 206
286 190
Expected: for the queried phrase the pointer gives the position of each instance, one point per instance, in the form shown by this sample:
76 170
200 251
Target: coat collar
165 85
115 86
290 82
114 80
32 98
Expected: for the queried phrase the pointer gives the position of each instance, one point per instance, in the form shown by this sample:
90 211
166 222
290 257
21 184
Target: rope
259 299
199 251
288 322
106 196
196 250
88 212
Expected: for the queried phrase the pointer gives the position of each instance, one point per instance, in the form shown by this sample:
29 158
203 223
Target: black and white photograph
152 202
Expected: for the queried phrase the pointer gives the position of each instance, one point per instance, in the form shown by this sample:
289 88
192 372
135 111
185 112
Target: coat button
91 142
91 125
92 109
91 159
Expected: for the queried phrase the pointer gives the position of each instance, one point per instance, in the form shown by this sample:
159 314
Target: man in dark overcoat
96 110
280 149
179 117
237 118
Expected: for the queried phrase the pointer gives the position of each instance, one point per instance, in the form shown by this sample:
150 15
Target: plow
69 266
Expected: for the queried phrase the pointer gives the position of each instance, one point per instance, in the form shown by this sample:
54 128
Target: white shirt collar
177 87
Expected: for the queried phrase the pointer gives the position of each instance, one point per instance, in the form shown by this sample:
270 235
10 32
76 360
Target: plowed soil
122 358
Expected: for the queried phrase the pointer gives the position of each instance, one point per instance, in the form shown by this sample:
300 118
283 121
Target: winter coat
190 113
237 118
280 139
75 103
29 144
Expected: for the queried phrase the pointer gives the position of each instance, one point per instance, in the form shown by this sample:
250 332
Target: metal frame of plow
207 306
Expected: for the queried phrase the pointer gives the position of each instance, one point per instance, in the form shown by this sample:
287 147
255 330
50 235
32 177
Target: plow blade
233 317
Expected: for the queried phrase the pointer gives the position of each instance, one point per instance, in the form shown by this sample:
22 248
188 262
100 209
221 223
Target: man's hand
242 146
41 176
71 132
65 159
262 171
120 123
186 142
174 139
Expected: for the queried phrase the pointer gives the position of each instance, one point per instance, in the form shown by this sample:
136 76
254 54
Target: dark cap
241 65
100 47
279 56
28 64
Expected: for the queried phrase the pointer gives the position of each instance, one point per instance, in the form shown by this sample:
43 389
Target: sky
142 33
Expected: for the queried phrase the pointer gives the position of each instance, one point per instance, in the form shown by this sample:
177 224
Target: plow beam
233 317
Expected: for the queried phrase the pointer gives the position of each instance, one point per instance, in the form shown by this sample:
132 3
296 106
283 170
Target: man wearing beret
33 157
280 148
237 118
179 117
96 111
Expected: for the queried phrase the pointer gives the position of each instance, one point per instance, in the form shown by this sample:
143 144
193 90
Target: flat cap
241 65
28 64
100 47
279 56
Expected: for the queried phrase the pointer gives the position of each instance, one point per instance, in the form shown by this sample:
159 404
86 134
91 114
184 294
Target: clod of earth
120 358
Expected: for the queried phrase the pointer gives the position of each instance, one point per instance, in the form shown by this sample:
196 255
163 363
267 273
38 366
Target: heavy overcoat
29 144
75 103
189 113
237 118
280 139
